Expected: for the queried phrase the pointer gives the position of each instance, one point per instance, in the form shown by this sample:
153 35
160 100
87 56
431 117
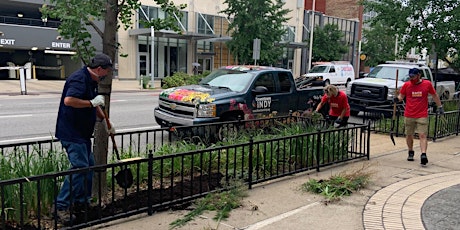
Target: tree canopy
328 43
261 19
379 44
431 24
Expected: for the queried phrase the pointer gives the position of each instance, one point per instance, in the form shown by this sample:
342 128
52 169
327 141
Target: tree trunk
101 136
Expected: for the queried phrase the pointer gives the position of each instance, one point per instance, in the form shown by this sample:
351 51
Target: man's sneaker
410 157
423 159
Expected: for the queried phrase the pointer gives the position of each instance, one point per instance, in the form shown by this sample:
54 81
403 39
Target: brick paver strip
398 206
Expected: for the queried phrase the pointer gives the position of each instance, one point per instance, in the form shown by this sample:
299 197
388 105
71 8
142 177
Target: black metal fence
381 120
163 181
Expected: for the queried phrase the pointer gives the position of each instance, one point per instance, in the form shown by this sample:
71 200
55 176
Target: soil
134 200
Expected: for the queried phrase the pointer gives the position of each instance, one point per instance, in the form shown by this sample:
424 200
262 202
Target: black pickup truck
232 92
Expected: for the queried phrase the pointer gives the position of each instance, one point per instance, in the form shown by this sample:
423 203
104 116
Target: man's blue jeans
80 156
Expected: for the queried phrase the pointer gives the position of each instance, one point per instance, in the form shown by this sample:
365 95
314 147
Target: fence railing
162 181
381 120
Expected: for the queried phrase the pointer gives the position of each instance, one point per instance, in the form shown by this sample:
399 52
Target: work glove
338 121
112 130
440 110
395 100
97 101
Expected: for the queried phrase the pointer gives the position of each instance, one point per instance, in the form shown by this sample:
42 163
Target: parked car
335 73
233 92
379 87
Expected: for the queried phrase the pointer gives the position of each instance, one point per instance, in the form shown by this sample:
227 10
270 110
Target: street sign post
256 50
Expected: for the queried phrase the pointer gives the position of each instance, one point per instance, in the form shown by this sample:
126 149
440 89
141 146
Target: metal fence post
318 143
250 165
368 142
458 120
150 184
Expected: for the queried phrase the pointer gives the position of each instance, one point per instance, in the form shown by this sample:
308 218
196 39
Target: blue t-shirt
77 125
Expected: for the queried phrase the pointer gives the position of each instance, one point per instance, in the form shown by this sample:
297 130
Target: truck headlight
348 89
391 94
206 110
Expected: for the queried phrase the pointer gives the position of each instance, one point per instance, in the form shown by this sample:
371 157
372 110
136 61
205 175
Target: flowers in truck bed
186 95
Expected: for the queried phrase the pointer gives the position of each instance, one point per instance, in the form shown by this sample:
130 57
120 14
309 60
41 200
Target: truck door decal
262 104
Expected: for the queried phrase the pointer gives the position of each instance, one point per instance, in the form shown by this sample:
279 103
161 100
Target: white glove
112 130
97 101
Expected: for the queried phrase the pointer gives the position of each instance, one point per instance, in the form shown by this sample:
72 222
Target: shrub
181 78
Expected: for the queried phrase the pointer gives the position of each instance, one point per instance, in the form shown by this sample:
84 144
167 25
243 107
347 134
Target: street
33 117
26 118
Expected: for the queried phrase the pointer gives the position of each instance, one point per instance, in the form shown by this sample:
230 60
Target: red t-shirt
417 98
337 104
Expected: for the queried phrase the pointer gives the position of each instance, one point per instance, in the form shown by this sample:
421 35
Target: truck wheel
327 82
348 81
229 130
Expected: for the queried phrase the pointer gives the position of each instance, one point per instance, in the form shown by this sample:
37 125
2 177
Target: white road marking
10 141
15 116
274 219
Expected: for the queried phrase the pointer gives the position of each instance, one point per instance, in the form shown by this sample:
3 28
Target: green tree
379 44
328 43
431 24
78 16
261 19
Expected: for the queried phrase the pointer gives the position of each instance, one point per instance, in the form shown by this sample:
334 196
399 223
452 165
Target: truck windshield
318 69
234 80
387 72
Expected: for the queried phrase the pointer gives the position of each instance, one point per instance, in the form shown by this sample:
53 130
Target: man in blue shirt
74 128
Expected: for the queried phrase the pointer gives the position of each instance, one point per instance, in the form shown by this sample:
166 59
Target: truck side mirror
260 90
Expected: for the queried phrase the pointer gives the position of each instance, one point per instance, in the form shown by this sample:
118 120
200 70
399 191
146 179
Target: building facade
28 40
200 46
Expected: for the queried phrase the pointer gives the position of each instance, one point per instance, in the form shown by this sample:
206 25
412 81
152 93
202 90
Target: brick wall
348 9
320 5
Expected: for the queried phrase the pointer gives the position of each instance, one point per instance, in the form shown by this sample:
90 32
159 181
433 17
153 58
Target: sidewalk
42 87
402 195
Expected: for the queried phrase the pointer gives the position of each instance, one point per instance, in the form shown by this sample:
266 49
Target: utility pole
312 20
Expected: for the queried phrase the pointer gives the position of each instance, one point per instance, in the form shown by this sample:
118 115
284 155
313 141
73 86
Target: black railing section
178 178
29 21
381 120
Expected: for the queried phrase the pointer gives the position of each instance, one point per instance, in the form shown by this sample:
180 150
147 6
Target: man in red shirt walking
416 92
339 111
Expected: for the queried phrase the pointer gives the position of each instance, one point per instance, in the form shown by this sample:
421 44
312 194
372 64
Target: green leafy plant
21 164
343 184
181 78
220 202
145 81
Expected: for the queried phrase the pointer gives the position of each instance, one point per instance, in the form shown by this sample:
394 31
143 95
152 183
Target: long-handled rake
393 119
124 177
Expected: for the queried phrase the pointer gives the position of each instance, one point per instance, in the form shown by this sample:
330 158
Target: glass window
285 82
182 56
289 36
205 23
266 80
204 47
146 13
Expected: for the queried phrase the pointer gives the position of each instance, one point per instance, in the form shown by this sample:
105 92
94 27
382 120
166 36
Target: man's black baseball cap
101 60
413 72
